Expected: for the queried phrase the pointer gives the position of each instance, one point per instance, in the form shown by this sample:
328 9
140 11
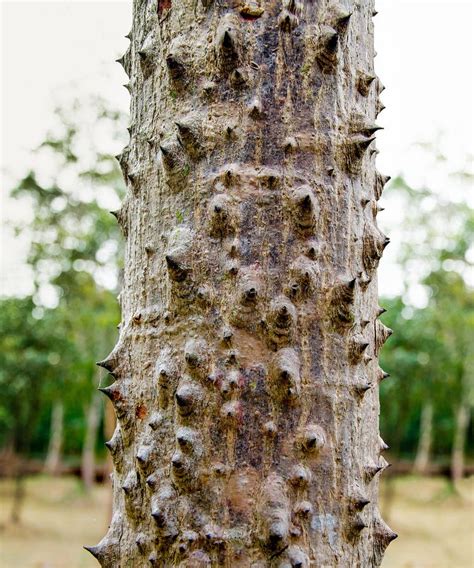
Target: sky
425 58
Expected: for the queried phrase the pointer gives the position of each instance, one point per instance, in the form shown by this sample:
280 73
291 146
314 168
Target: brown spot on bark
141 411
163 5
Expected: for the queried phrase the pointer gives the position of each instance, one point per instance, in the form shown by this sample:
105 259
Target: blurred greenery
431 355
52 338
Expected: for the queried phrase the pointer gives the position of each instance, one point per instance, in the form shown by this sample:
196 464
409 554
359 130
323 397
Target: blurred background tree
68 322
427 409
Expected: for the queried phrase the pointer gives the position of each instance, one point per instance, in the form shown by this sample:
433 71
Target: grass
435 524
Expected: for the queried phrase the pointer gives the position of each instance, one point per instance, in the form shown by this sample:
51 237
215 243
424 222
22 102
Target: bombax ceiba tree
246 371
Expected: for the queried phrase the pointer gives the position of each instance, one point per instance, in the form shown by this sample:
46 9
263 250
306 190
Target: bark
246 370
52 464
109 427
459 442
422 459
90 440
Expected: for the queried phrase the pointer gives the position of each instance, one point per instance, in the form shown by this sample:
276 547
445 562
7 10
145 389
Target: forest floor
435 525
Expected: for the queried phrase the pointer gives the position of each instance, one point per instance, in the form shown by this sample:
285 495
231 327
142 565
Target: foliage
431 354
31 350
75 257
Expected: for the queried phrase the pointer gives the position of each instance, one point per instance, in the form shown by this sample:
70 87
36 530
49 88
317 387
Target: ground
435 525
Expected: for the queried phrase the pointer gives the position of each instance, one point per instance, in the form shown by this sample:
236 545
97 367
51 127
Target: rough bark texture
246 371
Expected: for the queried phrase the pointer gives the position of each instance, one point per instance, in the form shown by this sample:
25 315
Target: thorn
176 270
106 364
341 18
176 69
382 375
326 51
94 550
363 82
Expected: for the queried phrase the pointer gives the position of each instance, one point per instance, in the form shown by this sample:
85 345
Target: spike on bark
285 374
126 62
341 302
172 156
361 389
176 270
357 347
303 278
383 536
190 134
287 21
275 513
175 63
303 509
188 397
327 48
352 151
305 208
311 439
382 375
338 16
281 321
382 333
379 106
228 42
300 475
294 557
221 216
364 81
373 245
380 182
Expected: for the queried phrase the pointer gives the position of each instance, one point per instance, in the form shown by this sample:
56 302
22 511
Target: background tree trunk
52 465
247 370
459 441
90 440
422 458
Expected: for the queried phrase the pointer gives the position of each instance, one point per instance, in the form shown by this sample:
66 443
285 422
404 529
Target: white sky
425 60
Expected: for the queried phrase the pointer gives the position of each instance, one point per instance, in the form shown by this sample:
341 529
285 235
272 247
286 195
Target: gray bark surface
246 372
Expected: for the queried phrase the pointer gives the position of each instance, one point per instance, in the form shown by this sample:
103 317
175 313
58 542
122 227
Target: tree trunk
52 465
422 459
18 493
459 442
247 370
90 439
109 426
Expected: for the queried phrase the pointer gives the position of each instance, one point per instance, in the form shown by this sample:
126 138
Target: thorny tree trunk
459 442
247 370
422 459
52 465
90 439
